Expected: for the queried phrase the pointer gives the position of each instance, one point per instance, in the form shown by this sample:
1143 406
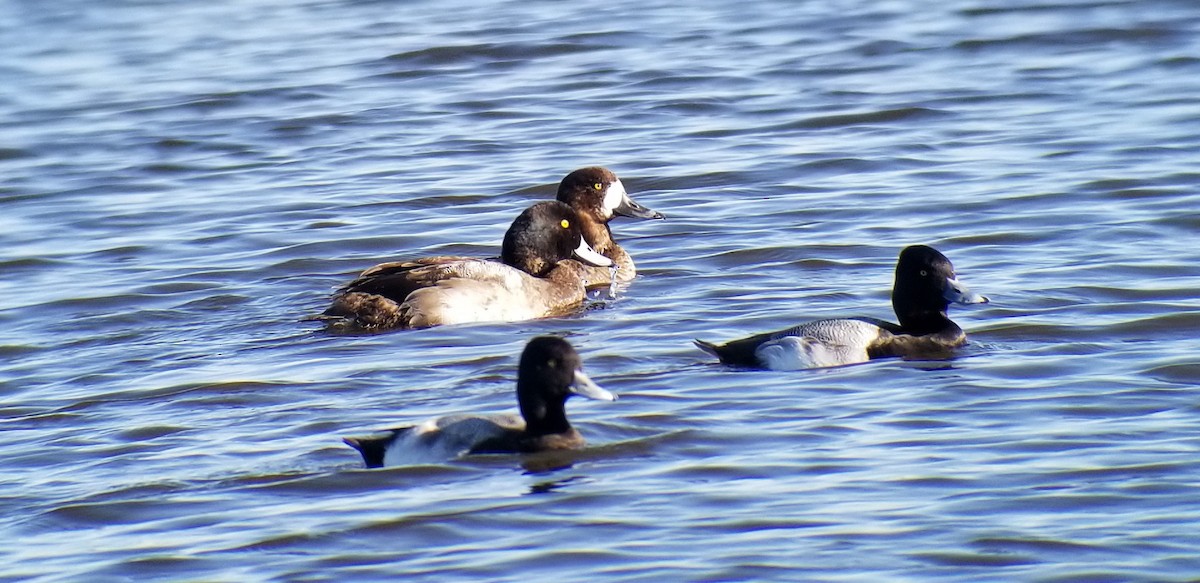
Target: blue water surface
182 183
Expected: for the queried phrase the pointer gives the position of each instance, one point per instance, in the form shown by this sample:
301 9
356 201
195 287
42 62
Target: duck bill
958 293
586 387
586 254
620 204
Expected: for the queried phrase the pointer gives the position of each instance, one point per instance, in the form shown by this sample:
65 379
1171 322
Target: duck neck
542 417
568 275
529 263
923 321
596 233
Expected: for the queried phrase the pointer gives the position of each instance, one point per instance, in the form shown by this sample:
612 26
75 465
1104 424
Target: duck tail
359 311
708 347
372 448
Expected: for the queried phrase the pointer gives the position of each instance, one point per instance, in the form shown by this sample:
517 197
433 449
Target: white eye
924 273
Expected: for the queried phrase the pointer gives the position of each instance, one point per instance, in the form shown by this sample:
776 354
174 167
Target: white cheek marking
614 197
589 255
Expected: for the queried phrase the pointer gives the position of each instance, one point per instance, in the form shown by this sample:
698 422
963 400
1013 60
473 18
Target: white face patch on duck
614 197
588 255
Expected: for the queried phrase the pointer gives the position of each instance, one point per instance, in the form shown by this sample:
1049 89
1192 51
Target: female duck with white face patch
534 279
549 373
599 196
925 287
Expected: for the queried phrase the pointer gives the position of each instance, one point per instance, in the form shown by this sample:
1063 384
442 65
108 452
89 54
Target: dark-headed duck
925 287
550 371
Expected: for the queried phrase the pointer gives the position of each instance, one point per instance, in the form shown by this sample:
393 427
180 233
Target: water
182 183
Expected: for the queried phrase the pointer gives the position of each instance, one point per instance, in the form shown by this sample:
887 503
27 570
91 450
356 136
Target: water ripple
164 236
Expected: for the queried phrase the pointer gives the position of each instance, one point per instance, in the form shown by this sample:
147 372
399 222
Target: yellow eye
565 223
598 186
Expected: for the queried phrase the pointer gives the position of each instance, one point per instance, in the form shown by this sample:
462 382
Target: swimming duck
599 196
550 371
533 279
925 286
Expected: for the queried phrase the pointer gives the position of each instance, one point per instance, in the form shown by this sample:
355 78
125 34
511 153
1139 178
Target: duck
535 277
923 290
599 196
550 371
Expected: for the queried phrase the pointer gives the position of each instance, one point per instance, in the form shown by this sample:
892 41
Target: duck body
821 343
454 436
535 278
924 288
458 290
